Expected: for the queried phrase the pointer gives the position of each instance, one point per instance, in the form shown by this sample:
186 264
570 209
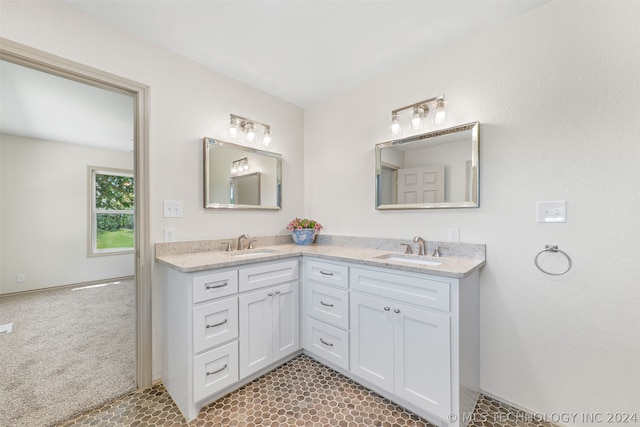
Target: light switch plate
172 209
552 211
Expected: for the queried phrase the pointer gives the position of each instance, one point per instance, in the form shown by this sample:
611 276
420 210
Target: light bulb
233 127
416 119
245 166
234 170
440 110
266 139
251 132
395 124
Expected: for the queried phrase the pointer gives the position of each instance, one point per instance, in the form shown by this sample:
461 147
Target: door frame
43 61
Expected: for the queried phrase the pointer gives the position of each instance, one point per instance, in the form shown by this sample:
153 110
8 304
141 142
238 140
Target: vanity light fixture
248 126
419 111
239 166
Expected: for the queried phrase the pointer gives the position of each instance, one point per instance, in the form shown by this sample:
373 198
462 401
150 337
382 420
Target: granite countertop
451 266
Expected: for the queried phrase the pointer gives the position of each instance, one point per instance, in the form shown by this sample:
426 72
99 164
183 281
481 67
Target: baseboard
527 411
73 285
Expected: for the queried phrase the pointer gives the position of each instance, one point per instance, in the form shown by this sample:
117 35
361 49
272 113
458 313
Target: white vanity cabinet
220 326
415 338
200 355
326 311
269 316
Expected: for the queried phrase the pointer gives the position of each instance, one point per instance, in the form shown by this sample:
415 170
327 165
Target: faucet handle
436 251
251 244
409 249
228 248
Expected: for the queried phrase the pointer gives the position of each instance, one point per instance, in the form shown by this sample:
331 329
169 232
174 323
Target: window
111 211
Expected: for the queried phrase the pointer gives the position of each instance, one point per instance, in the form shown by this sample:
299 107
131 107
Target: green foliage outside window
114 194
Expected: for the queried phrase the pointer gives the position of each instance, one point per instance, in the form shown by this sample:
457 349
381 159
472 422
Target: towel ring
552 249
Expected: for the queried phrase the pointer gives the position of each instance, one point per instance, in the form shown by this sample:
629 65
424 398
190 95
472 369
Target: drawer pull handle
325 273
387 308
217 324
219 370
397 310
326 343
211 285
325 304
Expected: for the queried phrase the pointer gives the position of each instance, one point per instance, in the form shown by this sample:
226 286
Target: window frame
92 250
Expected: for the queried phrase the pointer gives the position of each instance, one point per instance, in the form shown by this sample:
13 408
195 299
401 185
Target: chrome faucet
242 236
421 244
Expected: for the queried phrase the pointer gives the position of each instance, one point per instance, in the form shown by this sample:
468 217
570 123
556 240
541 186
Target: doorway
141 255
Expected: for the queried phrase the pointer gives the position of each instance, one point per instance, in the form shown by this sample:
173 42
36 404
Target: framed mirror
437 169
238 177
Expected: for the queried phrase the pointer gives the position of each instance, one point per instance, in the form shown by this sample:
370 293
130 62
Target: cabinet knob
270 294
387 308
277 292
397 310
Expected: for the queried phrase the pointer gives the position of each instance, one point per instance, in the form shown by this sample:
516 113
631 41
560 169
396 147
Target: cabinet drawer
327 304
328 342
267 275
326 272
215 323
215 370
215 285
416 290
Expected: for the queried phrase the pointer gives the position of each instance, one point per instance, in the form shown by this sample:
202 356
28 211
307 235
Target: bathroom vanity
408 331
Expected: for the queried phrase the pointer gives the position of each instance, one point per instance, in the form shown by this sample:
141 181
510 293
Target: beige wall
44 209
187 103
556 92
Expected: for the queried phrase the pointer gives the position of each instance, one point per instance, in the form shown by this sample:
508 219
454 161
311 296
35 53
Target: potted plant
303 230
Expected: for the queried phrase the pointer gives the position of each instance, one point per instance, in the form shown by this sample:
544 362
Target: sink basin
251 252
413 259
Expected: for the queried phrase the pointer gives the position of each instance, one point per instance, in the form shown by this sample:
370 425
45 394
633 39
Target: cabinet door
372 340
256 312
286 320
423 359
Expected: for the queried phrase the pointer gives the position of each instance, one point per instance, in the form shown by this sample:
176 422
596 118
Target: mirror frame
474 127
208 204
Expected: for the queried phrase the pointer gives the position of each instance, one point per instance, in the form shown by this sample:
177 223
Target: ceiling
301 51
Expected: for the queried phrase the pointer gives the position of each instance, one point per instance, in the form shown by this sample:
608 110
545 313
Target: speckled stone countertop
458 260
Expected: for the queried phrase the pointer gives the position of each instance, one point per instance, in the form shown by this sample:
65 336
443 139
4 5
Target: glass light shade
233 127
266 139
416 118
395 124
251 132
440 110
234 170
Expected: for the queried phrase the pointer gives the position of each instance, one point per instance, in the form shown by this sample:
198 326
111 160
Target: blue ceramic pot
304 236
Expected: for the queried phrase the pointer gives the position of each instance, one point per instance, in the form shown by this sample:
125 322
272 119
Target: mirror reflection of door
67 267
421 185
245 189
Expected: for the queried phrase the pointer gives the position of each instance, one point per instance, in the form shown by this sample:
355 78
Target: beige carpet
70 350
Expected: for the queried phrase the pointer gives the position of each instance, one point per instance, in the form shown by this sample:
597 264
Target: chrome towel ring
552 249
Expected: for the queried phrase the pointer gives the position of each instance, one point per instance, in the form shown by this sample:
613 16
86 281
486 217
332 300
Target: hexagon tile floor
302 392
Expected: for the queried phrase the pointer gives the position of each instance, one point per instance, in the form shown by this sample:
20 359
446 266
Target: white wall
45 205
187 103
556 91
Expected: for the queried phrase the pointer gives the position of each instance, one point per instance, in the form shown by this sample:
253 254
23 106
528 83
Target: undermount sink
251 252
413 259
